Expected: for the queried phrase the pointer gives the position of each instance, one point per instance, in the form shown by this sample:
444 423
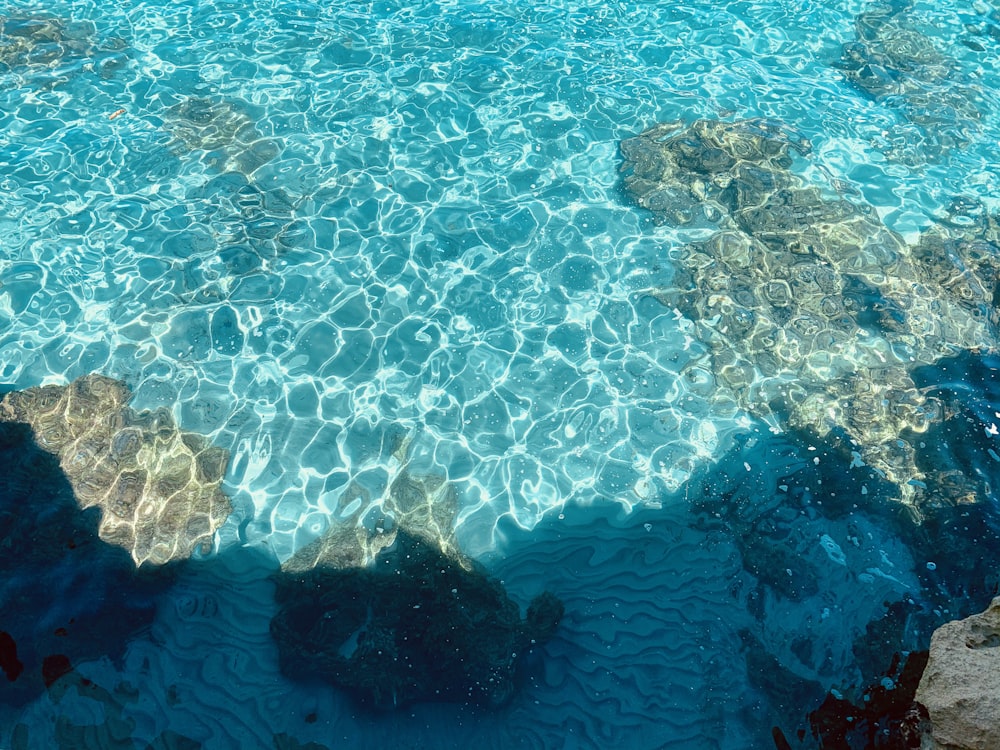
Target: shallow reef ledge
960 687
159 488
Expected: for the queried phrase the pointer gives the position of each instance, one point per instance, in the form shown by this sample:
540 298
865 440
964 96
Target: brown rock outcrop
961 685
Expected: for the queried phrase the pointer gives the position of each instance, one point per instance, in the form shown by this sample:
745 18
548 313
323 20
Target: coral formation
159 488
812 310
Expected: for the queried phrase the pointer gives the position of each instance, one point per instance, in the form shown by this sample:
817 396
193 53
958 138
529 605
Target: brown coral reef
159 488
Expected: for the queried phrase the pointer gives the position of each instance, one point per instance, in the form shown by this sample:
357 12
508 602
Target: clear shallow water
406 222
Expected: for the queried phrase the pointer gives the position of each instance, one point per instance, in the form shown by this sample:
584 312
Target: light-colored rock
961 685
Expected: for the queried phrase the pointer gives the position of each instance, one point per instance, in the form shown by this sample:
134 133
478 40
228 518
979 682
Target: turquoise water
316 233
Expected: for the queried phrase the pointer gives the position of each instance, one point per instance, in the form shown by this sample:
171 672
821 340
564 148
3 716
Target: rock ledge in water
961 685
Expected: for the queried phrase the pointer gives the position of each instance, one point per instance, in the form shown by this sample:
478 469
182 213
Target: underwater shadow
415 625
65 594
819 530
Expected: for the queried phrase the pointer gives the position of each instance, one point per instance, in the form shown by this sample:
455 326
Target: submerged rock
65 595
882 715
960 687
33 42
812 310
251 223
159 488
417 625
412 624
116 727
252 226
385 605
222 127
897 65
890 56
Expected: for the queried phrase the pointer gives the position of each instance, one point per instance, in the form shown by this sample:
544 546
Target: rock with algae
398 615
159 488
811 309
